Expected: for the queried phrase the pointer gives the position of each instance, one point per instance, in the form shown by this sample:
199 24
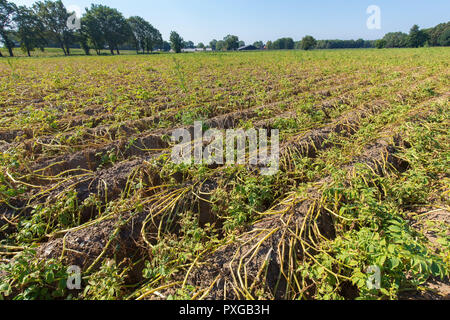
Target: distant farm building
196 50
247 48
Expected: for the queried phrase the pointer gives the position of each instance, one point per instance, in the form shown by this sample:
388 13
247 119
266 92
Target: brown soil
84 246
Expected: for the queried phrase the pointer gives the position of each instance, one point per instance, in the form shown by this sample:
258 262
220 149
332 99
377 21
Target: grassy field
86 176
57 52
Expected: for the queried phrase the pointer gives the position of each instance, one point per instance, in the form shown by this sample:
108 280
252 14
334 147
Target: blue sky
251 20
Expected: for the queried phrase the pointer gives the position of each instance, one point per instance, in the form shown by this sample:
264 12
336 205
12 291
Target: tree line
432 37
437 36
47 24
307 43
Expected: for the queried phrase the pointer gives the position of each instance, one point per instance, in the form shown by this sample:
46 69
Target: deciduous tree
231 42
417 38
54 16
108 26
258 44
30 30
176 41
7 11
308 43
444 38
213 44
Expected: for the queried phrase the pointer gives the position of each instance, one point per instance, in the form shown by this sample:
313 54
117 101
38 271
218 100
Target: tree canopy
417 38
30 30
54 16
231 42
176 42
258 44
395 40
7 11
308 43
281 44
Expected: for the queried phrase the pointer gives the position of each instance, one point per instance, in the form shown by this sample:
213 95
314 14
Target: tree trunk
63 49
112 51
7 43
28 51
118 52
68 50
